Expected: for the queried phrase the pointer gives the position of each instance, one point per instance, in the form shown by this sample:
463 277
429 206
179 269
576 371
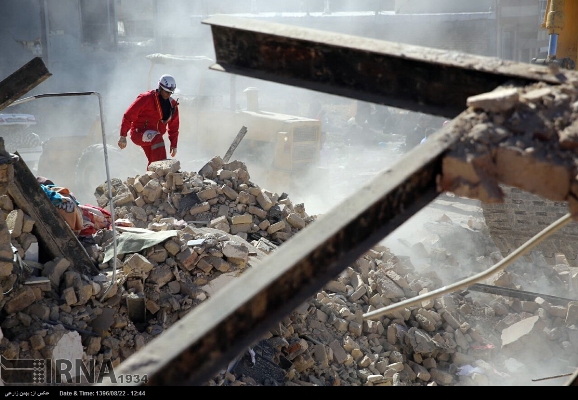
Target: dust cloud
355 150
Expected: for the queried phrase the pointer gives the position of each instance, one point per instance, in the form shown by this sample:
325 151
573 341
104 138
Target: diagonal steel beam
415 78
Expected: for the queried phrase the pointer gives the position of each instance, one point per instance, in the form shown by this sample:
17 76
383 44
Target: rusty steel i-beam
414 78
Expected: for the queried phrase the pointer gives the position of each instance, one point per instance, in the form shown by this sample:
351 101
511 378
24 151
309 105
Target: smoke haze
120 71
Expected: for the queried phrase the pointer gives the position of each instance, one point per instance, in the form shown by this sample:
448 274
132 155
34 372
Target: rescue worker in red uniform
149 117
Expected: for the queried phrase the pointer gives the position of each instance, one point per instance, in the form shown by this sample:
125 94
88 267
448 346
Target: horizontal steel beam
201 344
415 78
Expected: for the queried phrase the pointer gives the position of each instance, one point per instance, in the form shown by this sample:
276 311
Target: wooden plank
233 146
415 78
53 233
22 81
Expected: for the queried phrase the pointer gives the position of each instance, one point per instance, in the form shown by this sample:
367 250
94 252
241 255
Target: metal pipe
552 46
109 187
534 241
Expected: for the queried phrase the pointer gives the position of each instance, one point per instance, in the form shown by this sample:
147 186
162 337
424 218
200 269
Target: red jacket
146 113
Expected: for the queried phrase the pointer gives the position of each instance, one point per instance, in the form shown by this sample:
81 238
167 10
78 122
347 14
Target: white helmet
167 83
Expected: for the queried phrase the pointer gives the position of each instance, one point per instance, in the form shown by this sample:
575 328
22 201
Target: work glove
173 151
122 142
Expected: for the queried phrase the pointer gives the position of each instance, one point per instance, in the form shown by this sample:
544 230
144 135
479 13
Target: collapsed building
379 363
184 235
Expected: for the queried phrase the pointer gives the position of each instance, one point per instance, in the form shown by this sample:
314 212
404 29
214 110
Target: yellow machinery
561 21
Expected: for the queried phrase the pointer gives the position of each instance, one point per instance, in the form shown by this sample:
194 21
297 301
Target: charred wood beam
22 81
201 344
415 78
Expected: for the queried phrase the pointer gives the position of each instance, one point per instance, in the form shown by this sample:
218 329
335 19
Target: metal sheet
415 78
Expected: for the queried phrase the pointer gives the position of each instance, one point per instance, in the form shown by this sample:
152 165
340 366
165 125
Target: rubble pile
517 153
521 136
466 338
220 196
204 228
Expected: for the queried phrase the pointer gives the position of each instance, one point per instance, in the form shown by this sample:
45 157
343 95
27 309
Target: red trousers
154 150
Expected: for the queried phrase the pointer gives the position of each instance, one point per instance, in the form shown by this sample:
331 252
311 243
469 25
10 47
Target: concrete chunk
19 300
54 269
265 201
295 221
236 253
339 354
207 194
496 101
137 266
161 275
387 287
259 212
200 208
241 219
229 192
276 227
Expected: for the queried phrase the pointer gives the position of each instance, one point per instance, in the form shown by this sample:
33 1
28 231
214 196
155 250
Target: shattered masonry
218 224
